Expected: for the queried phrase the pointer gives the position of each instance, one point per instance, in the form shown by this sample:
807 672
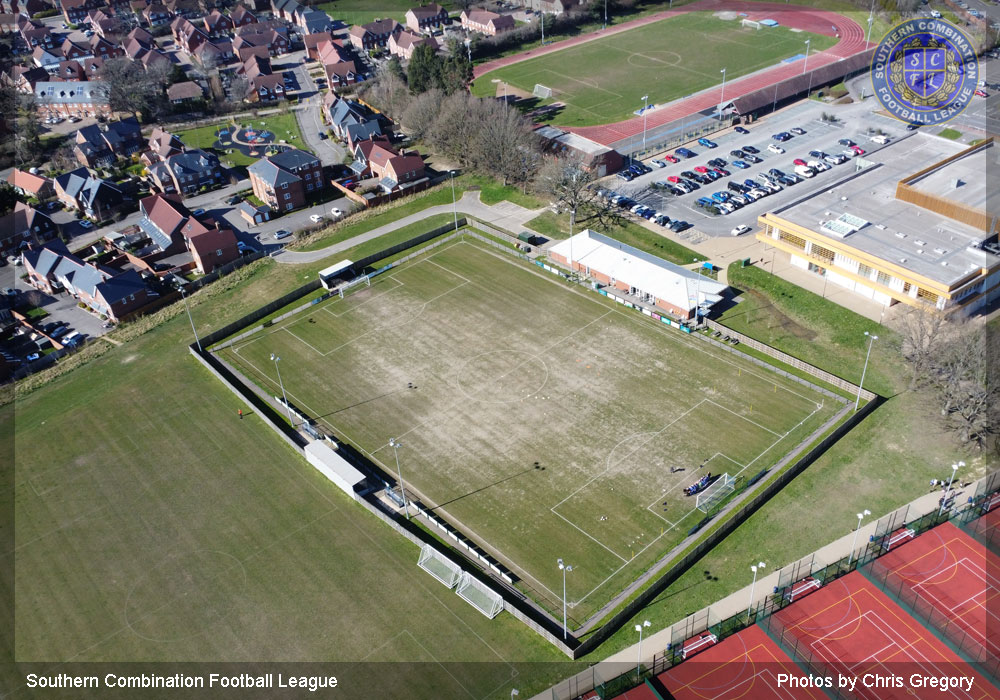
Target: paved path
505 215
852 41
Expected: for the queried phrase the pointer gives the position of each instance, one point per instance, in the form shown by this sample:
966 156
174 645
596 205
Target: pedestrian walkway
505 215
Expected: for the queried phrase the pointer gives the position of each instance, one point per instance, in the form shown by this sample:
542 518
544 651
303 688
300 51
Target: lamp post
638 663
944 499
810 87
722 94
871 19
871 341
288 409
854 542
197 340
645 106
806 62
395 445
754 568
606 14
564 568
454 205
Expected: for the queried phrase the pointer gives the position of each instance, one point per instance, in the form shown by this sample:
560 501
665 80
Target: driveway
62 307
310 119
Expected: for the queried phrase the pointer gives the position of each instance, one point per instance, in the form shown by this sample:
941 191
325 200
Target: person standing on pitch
241 413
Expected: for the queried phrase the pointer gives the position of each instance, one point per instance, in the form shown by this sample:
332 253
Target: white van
804 171
880 139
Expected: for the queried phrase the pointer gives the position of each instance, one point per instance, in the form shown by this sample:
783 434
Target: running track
852 41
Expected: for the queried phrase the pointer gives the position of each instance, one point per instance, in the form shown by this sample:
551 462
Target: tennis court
852 630
951 581
746 665
986 529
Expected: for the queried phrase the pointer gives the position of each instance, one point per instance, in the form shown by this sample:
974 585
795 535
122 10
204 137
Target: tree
239 89
133 89
921 336
572 186
505 143
421 113
423 72
388 91
27 137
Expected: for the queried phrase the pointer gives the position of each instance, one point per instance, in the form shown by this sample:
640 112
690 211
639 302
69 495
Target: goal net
443 569
541 91
750 24
712 495
480 596
357 281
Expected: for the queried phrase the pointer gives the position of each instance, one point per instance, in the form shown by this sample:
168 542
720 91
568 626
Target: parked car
31 357
282 233
781 136
775 148
658 163
336 213
197 212
625 175
798 131
740 164
315 218
751 158
707 143
678 226
59 332
86 224
799 161
736 153
685 153
672 159
750 149
982 93
846 142
235 199
817 154
858 150
881 139
741 130
912 127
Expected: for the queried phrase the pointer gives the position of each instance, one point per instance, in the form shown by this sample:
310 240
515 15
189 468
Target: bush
45 13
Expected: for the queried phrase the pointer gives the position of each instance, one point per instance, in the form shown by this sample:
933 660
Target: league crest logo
925 71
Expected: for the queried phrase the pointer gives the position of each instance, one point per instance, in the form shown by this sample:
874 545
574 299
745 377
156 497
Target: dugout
331 276
335 468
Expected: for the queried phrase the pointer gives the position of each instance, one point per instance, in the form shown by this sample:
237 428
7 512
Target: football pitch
603 80
544 421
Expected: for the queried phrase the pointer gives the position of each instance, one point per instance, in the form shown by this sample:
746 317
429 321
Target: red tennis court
950 578
745 665
856 631
986 529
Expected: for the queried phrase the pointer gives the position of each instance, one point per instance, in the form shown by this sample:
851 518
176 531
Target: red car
982 93
722 171
701 169
671 159
858 150
799 161
673 178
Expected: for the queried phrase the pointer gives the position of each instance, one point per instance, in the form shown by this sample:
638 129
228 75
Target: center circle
657 58
184 594
503 376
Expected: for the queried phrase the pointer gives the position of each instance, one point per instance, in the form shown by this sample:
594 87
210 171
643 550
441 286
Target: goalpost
480 596
712 495
364 279
752 24
541 91
443 569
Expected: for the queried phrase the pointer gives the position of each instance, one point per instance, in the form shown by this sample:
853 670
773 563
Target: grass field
364 11
603 80
284 126
541 419
158 526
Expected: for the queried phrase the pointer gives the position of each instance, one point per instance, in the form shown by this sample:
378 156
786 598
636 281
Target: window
218 253
284 185
288 207
308 176
309 188
288 195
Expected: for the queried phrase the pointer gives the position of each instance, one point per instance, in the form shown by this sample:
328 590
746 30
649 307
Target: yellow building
915 222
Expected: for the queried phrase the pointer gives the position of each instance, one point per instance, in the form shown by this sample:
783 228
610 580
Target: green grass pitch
543 420
603 80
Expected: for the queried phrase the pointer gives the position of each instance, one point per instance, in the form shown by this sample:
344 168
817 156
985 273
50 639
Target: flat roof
925 243
335 268
974 187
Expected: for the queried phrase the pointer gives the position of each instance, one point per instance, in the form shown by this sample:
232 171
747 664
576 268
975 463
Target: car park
742 130
740 164
282 233
775 148
707 143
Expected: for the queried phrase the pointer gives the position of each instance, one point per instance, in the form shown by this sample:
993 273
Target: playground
245 142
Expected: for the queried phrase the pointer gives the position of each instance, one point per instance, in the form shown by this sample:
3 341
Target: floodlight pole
395 445
645 106
197 340
754 568
454 203
805 63
854 542
944 499
871 19
808 89
872 339
638 663
288 409
606 14
722 94
564 568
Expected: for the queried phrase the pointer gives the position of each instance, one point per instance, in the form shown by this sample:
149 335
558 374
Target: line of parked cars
646 212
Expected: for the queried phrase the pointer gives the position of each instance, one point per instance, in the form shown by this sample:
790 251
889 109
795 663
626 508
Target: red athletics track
745 665
956 575
855 630
852 41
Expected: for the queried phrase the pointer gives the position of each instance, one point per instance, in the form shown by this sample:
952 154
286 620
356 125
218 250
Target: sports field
603 81
545 421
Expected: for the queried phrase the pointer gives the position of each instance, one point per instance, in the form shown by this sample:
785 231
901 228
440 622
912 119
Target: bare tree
505 140
456 127
239 89
421 113
131 88
921 336
571 184
388 90
27 139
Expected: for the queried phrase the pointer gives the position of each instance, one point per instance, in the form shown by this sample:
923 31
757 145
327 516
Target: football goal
357 281
480 596
541 91
714 494
440 567
750 24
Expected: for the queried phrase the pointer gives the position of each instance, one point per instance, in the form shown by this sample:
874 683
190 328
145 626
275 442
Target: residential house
241 16
157 14
265 86
187 35
53 269
254 215
185 92
426 18
312 42
486 22
162 144
102 48
214 53
23 227
142 36
217 24
104 24
284 180
183 8
70 49
277 42
405 43
24 78
76 11
245 52
71 71
59 99
37 34
92 68
340 75
25 7
374 34
555 7
187 172
47 58
90 195
394 171
310 21
102 144
172 229
351 121
28 184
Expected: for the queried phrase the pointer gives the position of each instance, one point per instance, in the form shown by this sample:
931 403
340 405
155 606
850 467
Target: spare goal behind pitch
712 495
443 569
480 596
751 24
